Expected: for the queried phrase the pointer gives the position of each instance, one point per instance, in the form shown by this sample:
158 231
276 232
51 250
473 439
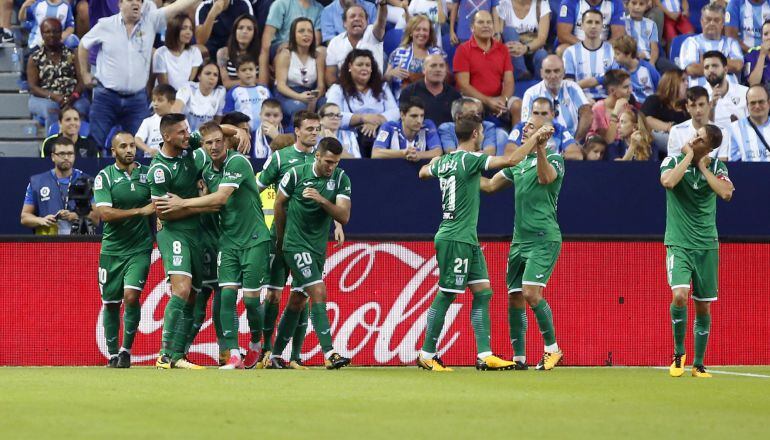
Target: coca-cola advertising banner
610 304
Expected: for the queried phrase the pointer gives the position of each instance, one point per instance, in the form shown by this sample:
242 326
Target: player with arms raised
693 180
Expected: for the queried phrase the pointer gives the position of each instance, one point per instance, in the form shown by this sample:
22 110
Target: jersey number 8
176 247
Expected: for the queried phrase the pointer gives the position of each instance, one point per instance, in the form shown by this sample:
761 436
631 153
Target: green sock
183 330
545 321
111 322
701 328
286 327
229 318
299 334
679 325
268 323
171 316
321 325
517 324
199 315
254 316
480 320
131 316
216 307
436 317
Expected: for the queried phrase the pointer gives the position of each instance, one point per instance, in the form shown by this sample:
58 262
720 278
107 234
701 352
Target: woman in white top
178 61
297 82
405 62
365 99
331 119
203 100
524 26
242 41
436 11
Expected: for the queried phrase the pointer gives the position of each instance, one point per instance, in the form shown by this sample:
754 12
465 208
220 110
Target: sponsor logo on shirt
158 175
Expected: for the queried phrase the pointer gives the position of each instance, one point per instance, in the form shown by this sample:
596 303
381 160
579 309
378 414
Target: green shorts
181 254
459 264
209 264
306 267
531 263
244 268
118 273
279 272
701 266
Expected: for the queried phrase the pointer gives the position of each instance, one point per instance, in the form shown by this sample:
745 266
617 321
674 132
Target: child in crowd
677 18
33 12
248 97
643 30
201 100
634 139
270 116
644 76
594 149
148 137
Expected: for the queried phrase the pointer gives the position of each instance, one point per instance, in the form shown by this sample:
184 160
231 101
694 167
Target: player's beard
715 79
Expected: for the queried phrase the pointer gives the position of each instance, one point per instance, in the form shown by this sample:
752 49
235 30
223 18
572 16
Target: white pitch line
729 373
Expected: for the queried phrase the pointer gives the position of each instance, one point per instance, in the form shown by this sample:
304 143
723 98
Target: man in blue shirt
569 30
412 138
542 107
494 137
331 17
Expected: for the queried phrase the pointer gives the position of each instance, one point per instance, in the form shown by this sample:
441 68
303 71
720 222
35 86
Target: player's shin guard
679 327
286 328
517 324
701 328
183 330
480 320
254 317
199 315
270 310
111 323
131 315
216 307
545 321
321 325
436 317
171 316
229 318
299 334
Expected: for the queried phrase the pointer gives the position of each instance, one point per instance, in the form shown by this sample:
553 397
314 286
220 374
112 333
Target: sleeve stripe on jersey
103 173
103 204
157 197
462 161
283 191
502 173
234 185
339 179
343 196
486 162
261 185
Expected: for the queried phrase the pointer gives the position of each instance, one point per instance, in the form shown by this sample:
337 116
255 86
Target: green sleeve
668 164
270 171
289 182
507 173
236 171
722 170
475 163
102 194
201 159
558 163
434 168
343 189
196 140
159 180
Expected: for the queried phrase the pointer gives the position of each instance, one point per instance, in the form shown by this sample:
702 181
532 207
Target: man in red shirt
483 70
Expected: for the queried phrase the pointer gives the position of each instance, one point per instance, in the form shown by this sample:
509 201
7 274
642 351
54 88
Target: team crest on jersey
158 176
98 182
45 193
515 133
143 178
645 81
306 272
736 100
459 280
177 260
563 11
331 185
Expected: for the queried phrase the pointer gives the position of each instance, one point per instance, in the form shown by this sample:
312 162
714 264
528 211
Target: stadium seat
446 43
84 129
391 41
676 46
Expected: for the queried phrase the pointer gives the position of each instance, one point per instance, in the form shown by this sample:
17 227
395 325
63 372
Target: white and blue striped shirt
567 102
645 32
745 145
672 5
571 11
581 63
644 80
694 47
42 10
747 17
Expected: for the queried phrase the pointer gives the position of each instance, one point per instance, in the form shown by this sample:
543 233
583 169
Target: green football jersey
178 175
209 221
307 224
459 174
535 204
115 188
278 164
691 207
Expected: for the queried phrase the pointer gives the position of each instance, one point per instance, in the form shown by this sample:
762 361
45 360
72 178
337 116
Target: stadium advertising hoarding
610 302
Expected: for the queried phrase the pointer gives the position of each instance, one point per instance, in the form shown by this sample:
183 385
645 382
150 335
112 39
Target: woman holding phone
297 82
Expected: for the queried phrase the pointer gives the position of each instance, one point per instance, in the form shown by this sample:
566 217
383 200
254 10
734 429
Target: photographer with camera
59 201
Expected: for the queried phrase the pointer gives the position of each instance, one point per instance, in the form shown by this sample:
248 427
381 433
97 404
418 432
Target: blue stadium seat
676 47
84 128
391 41
446 43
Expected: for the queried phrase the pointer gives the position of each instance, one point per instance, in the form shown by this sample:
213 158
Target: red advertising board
610 303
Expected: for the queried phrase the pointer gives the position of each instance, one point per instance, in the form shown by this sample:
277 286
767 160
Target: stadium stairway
20 136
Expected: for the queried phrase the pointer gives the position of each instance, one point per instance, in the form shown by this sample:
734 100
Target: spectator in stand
462 14
242 41
588 60
594 149
607 111
642 30
573 109
524 36
123 64
569 27
357 35
413 138
405 63
299 71
750 136
712 20
47 207
53 77
331 17
666 108
248 97
433 90
201 100
69 127
437 13
6 10
278 28
148 138
365 99
331 119
757 64
483 70
634 140
270 126
644 76
728 100
215 20
744 21
541 108
494 137
178 61
676 20
35 11
699 109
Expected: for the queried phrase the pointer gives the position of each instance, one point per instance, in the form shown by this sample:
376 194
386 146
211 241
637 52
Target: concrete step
9 82
14 105
20 148
11 58
20 129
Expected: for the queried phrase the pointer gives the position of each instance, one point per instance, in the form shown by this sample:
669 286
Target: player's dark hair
714 135
545 100
406 104
697 92
465 126
119 133
209 127
302 116
356 5
235 118
330 144
716 54
166 91
245 59
63 141
169 120
615 77
592 11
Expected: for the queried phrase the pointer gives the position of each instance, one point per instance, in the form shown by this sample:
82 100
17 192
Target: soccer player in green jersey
536 238
308 198
693 180
244 245
122 197
461 262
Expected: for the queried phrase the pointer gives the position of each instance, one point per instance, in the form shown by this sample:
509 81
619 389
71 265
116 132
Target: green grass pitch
387 403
